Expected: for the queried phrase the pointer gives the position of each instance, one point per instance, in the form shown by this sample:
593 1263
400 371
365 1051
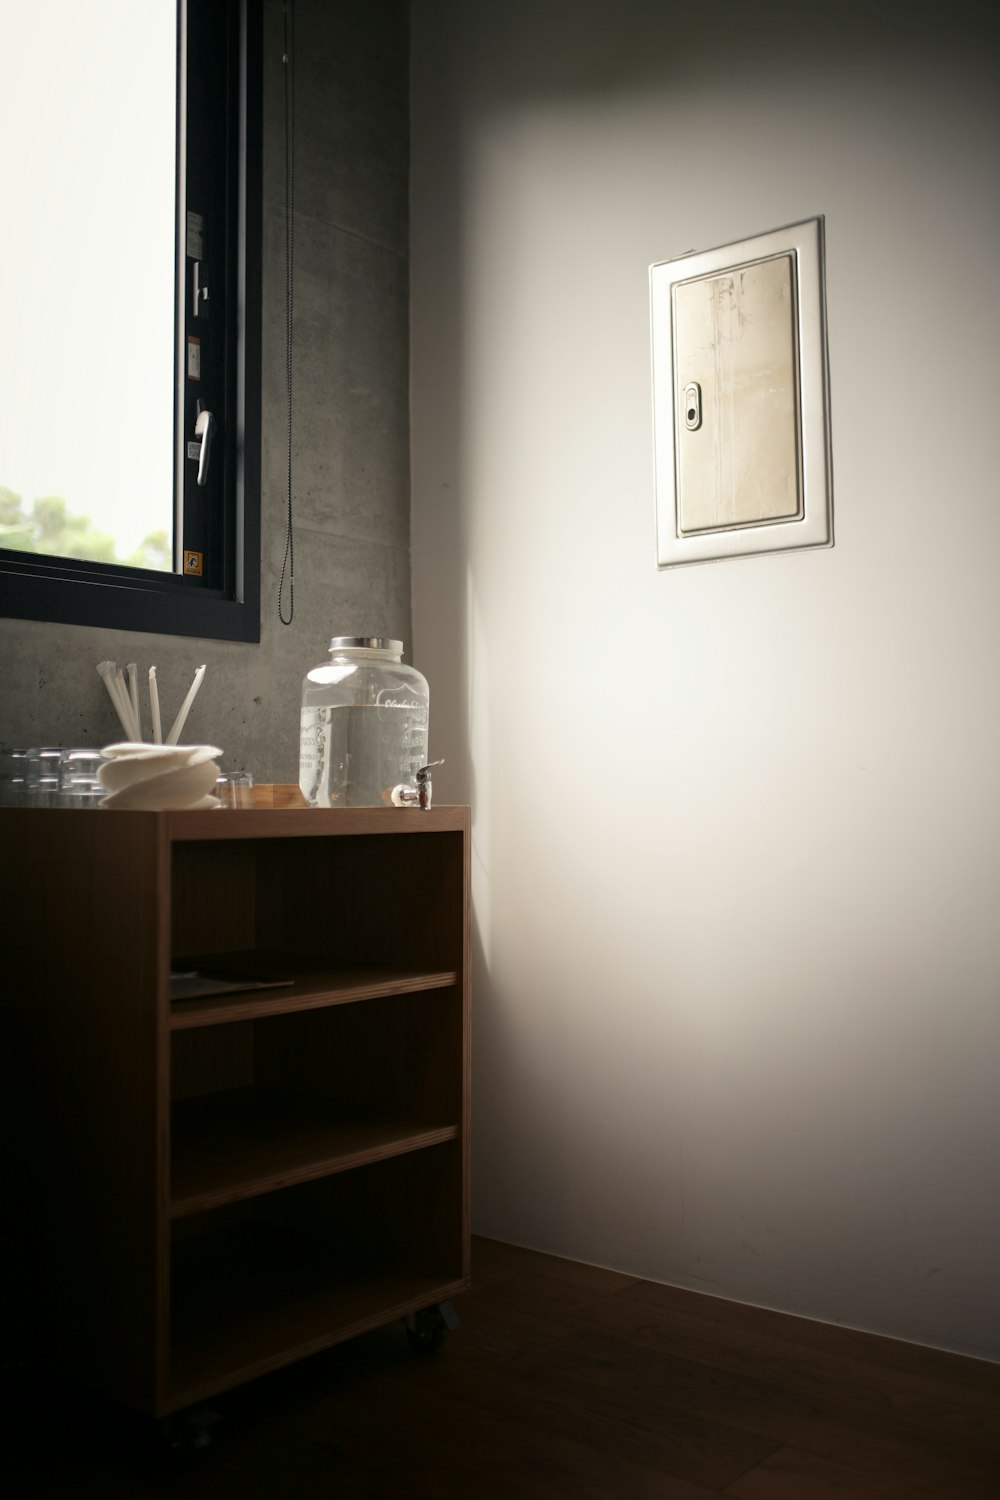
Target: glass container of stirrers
123 690
158 773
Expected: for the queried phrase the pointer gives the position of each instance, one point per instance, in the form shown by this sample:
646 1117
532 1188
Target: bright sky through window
87 192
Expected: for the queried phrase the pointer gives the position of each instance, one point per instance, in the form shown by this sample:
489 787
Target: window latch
199 292
204 428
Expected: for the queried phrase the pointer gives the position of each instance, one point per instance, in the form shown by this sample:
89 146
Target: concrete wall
736 825
351 434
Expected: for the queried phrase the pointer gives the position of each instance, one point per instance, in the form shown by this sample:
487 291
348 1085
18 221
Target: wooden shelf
313 986
301 1299
241 1143
319 822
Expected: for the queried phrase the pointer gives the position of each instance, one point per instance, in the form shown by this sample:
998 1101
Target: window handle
199 292
204 428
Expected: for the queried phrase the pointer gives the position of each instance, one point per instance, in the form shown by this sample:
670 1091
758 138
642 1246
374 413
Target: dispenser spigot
419 795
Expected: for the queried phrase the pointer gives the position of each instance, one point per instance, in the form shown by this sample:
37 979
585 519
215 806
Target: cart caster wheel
428 1328
425 1331
185 1434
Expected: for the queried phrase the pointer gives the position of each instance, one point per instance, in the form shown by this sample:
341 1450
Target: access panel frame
804 245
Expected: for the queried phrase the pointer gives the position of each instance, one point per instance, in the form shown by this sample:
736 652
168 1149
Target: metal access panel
740 398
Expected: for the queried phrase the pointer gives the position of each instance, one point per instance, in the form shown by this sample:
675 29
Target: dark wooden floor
563 1380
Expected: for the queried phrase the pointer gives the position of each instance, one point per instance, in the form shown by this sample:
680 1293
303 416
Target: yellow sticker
192 563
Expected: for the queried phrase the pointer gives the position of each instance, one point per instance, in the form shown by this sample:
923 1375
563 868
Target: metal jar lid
365 643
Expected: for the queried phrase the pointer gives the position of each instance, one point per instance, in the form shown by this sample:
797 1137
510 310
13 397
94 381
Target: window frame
78 592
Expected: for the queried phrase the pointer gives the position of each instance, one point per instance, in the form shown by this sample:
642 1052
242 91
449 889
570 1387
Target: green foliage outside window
48 527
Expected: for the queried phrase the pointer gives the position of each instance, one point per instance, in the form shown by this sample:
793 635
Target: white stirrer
185 708
126 701
154 707
133 693
108 672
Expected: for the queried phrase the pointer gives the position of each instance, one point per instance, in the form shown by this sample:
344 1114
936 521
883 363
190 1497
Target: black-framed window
207 581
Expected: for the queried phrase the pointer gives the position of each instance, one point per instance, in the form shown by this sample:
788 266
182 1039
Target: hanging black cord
288 563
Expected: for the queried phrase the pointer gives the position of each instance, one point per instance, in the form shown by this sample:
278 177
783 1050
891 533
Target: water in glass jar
363 727
353 755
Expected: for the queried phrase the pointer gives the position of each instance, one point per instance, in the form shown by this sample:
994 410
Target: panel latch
692 406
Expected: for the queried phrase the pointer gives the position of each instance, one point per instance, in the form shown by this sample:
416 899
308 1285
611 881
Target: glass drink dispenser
363 733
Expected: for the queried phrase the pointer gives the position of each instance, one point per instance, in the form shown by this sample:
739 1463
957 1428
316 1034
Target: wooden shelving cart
215 1185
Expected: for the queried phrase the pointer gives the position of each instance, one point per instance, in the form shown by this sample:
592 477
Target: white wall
737 845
